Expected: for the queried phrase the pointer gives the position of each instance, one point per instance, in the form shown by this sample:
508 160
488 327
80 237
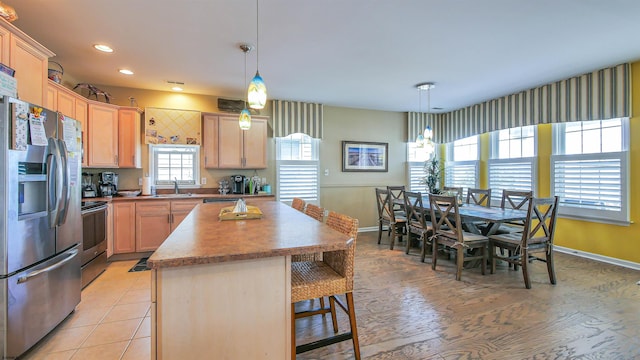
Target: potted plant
432 169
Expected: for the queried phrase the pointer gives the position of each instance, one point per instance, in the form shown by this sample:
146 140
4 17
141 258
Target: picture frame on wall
365 156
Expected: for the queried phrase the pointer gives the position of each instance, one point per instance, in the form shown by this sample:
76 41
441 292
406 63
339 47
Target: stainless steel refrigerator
40 222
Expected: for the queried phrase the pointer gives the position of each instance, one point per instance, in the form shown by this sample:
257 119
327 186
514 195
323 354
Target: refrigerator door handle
54 185
65 184
70 255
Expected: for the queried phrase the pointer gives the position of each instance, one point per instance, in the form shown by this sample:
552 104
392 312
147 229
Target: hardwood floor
405 310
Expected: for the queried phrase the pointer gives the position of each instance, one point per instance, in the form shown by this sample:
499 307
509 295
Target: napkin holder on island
240 211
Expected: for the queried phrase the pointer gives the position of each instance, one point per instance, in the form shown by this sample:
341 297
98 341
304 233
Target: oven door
94 233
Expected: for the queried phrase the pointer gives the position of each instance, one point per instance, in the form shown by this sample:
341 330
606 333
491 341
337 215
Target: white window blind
461 174
591 185
298 179
510 174
416 175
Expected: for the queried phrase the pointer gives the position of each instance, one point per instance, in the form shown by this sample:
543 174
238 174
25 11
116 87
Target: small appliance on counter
238 184
88 187
108 183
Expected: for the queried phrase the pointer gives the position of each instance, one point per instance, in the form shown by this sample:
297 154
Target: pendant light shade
257 92
244 121
425 140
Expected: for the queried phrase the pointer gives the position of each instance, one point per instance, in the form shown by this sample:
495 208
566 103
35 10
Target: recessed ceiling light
177 85
103 48
126 71
177 88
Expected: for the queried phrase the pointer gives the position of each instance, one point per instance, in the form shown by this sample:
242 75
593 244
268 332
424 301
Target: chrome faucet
175 185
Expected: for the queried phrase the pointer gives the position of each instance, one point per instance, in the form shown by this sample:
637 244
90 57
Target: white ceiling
358 53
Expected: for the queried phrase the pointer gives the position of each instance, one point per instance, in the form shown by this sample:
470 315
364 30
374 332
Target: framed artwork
365 156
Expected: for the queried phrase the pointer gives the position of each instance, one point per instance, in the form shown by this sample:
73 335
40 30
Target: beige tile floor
112 321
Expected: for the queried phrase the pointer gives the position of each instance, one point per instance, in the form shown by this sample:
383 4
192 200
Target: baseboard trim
368 229
597 257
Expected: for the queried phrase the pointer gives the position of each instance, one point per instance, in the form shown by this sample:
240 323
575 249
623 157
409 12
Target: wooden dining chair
447 229
480 197
417 223
330 277
514 199
315 212
298 204
536 237
396 225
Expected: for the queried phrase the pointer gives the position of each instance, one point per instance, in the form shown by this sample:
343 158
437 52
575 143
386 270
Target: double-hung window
589 169
298 166
512 162
171 163
462 169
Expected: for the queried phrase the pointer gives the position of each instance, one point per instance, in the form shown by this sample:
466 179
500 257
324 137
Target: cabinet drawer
184 205
153 206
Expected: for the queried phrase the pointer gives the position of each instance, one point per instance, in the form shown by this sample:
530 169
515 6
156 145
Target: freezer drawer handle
30 275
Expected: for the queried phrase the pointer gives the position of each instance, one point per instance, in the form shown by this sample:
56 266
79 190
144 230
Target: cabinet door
52 98
255 145
210 141
110 244
103 136
152 224
230 143
129 138
66 104
31 71
5 43
124 227
180 209
81 115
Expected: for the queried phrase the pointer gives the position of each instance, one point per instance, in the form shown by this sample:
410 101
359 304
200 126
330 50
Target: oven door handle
94 210
71 254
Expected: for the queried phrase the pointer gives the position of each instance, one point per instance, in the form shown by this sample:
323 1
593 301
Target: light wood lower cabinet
153 224
180 209
124 227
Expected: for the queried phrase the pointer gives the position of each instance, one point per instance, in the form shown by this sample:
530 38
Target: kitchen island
222 289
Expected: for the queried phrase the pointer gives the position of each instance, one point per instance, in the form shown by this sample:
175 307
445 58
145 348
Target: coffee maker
108 183
238 184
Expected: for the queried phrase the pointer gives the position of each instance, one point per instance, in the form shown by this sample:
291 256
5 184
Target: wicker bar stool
298 204
330 277
315 212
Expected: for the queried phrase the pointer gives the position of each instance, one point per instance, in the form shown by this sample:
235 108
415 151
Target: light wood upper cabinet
129 148
124 227
210 141
66 103
102 135
242 149
153 224
52 98
81 115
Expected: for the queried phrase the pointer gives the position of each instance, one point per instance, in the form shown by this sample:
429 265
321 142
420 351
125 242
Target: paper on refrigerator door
36 128
69 133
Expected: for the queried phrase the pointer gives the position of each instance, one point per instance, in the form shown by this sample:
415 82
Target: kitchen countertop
202 238
183 196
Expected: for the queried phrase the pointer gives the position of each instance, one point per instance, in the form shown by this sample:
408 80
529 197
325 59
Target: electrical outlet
140 181
203 181
326 172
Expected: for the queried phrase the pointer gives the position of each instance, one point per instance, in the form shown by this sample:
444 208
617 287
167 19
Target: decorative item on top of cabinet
102 135
129 147
242 149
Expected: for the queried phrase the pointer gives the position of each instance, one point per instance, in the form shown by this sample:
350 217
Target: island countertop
202 238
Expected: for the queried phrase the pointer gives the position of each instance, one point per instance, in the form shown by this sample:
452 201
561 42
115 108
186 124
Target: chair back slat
515 199
480 197
416 218
445 216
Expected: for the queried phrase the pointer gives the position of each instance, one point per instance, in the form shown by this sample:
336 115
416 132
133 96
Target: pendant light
244 121
257 92
425 140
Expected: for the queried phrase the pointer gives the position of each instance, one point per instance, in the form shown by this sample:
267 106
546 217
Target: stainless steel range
94 240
